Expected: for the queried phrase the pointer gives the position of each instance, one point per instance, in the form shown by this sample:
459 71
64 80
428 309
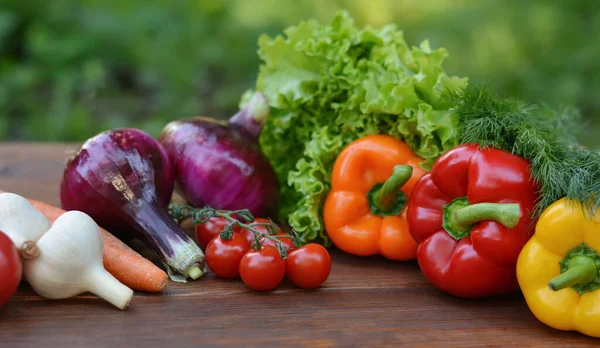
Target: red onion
219 164
123 179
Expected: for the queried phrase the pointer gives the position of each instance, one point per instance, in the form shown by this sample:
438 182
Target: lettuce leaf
329 85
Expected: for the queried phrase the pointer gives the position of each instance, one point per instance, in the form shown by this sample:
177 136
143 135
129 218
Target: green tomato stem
200 215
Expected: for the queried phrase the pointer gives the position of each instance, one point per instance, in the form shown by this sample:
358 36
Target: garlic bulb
22 223
70 262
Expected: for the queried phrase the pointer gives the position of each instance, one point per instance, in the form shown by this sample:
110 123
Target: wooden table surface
365 302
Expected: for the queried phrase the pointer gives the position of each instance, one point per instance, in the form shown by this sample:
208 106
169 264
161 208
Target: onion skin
123 179
220 164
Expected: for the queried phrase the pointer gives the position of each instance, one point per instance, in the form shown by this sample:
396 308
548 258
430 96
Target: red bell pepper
471 216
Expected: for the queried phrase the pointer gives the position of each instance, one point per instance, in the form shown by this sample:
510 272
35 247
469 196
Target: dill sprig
560 166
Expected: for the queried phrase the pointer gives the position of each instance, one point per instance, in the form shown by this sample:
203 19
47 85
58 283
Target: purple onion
220 164
123 179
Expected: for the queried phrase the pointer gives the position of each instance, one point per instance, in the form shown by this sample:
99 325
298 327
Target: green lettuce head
329 85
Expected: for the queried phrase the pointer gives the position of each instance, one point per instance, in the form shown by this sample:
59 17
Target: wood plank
366 301
34 170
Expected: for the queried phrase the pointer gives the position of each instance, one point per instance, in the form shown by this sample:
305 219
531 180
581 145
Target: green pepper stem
400 176
507 214
582 270
459 216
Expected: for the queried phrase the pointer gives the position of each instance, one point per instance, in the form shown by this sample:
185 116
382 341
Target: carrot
124 263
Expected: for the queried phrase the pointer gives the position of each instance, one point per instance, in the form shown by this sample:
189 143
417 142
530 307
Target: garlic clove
104 285
70 262
23 224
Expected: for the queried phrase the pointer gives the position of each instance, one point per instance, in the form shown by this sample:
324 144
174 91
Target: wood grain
365 302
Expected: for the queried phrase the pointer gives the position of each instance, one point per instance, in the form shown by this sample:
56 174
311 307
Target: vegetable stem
385 196
386 199
460 216
506 214
201 215
252 116
195 272
582 270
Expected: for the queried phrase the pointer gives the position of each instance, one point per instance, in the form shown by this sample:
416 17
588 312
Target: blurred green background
69 69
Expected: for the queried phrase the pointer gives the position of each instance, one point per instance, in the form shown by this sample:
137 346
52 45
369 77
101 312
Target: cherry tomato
209 230
11 269
287 242
223 256
263 269
309 266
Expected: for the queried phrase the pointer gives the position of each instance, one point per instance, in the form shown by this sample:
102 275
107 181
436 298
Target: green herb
329 85
545 137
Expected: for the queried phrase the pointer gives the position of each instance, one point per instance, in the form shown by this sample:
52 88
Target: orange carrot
124 263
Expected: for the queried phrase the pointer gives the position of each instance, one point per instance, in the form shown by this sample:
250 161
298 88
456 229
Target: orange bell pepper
365 211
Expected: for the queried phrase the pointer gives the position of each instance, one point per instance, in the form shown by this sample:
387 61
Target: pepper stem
384 196
582 270
459 215
505 213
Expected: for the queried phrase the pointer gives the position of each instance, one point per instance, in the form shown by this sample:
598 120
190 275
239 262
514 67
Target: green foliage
536 50
69 68
541 135
330 84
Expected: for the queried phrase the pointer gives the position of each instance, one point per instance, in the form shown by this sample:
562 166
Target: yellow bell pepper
558 269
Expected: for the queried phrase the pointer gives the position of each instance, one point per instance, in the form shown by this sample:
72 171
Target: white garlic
70 262
23 224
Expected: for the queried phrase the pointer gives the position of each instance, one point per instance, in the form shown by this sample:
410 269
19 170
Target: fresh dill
547 138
